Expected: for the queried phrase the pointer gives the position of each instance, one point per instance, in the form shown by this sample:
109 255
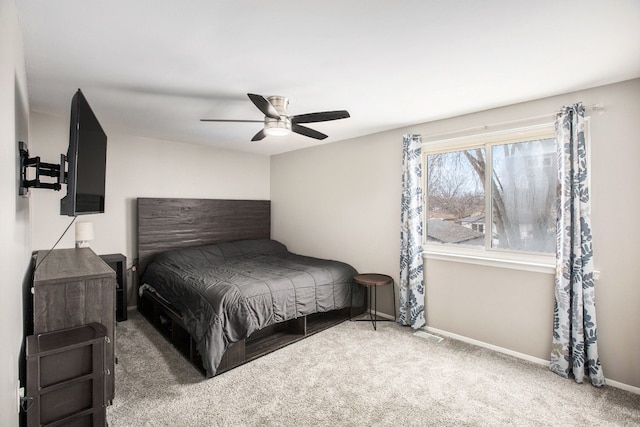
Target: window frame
486 255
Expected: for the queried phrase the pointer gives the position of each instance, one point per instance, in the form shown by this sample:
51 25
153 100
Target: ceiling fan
277 122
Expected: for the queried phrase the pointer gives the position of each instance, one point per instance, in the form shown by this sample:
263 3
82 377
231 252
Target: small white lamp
84 234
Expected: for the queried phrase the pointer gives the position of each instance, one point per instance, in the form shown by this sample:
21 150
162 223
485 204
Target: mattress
227 291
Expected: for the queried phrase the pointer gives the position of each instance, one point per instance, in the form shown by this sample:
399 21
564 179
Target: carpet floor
351 375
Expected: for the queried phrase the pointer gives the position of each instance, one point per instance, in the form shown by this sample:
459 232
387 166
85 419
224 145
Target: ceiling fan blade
324 116
260 135
235 121
264 105
303 130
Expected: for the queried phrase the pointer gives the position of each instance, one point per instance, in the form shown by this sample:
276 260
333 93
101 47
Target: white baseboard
380 314
536 360
483 344
623 386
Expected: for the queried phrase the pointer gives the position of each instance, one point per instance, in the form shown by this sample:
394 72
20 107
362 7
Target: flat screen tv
87 161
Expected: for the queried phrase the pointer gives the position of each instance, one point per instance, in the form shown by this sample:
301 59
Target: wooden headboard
165 224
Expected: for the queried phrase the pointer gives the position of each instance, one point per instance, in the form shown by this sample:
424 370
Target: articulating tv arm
42 169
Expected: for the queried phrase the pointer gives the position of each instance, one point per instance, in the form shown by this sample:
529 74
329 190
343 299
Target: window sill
525 262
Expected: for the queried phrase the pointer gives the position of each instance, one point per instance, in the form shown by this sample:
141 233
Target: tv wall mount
41 169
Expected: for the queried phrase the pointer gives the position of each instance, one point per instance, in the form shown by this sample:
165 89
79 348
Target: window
523 196
495 192
455 197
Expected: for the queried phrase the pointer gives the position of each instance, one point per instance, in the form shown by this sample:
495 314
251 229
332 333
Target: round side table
372 281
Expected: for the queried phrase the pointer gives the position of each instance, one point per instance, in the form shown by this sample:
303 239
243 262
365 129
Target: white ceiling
155 67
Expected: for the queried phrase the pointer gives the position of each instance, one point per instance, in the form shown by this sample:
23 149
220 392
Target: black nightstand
118 263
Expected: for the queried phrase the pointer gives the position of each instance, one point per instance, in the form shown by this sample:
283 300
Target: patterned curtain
411 286
575 350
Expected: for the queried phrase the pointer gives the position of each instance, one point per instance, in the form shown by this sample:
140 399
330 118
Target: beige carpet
351 375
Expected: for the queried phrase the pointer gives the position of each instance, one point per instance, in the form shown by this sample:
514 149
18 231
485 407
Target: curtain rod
597 108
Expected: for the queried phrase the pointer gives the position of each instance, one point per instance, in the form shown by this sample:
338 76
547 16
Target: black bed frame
165 224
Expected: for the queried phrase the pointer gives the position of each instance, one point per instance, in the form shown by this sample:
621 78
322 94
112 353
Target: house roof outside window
450 232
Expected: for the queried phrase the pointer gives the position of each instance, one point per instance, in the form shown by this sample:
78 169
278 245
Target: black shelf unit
66 377
118 263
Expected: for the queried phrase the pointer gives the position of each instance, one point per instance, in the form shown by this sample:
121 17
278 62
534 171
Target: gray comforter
227 291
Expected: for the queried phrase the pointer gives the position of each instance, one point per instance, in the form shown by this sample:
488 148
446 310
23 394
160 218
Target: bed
215 284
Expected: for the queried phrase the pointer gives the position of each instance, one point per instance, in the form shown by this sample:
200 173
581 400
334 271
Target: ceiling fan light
277 131
277 127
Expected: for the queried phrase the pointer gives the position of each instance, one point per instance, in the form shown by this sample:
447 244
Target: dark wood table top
373 279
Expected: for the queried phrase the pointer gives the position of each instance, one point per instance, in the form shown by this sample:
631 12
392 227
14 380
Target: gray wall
342 201
14 210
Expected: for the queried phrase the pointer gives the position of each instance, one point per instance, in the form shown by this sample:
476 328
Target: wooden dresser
75 287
